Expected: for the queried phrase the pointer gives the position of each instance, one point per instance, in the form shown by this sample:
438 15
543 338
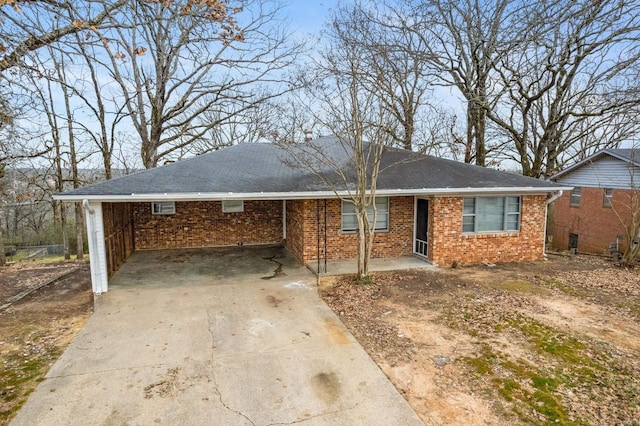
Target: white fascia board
308 194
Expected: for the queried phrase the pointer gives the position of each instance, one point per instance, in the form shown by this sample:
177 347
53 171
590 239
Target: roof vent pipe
308 135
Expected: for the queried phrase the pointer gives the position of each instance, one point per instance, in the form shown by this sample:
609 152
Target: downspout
93 243
546 219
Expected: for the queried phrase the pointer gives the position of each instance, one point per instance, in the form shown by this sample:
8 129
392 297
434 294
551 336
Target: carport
117 229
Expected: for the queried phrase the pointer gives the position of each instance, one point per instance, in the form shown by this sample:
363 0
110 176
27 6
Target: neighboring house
592 217
440 210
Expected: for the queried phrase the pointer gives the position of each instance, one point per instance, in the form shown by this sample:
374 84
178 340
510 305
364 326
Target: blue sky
308 16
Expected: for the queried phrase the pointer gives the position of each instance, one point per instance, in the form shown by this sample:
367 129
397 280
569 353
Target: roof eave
199 196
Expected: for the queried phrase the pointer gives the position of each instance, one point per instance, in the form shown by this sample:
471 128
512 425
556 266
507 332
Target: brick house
593 215
439 210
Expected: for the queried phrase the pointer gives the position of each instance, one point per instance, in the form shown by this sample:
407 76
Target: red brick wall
447 243
203 224
302 230
597 226
296 220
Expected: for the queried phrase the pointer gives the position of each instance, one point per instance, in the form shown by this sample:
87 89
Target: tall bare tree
172 61
462 40
393 68
343 103
571 85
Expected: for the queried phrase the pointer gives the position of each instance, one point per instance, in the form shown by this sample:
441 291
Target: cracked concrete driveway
219 337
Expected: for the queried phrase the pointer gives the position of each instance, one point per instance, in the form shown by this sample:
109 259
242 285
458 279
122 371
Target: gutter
555 196
216 196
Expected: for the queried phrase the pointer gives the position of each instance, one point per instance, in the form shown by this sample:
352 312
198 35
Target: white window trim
230 206
505 219
163 207
353 231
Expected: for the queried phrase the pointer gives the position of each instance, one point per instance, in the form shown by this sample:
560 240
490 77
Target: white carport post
97 251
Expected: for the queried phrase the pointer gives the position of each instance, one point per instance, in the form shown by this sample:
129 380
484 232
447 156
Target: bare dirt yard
42 308
552 342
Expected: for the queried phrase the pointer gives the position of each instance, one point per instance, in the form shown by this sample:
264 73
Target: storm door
421 227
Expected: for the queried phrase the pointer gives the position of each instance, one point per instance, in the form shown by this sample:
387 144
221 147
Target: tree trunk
480 128
65 236
630 256
468 149
3 258
79 231
362 260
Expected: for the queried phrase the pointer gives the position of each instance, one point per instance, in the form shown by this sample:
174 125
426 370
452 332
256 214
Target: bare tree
249 126
628 213
394 68
360 120
172 61
462 40
21 31
16 137
571 84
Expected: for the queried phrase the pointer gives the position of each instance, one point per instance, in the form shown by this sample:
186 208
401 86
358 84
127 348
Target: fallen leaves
524 367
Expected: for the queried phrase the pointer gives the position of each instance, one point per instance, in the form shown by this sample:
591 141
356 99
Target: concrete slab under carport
177 341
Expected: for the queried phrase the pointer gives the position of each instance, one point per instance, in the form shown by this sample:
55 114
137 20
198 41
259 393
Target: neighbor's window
575 196
491 214
608 197
350 222
232 206
163 207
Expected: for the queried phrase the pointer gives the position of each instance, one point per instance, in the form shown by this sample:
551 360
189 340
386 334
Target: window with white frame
608 197
163 207
350 221
232 206
491 214
576 195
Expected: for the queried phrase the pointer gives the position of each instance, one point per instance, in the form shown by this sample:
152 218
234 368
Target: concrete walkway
342 267
196 337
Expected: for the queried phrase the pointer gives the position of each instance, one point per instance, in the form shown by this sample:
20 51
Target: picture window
491 214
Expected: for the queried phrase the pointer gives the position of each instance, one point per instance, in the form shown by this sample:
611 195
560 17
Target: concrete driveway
214 337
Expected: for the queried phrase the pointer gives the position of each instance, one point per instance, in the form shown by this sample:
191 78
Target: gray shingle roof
269 169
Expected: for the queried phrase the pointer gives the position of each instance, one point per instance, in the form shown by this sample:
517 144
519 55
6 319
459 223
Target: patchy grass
36 329
19 376
521 286
562 362
527 389
550 342
565 288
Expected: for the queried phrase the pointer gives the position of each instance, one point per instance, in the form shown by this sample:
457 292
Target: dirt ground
35 330
552 342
